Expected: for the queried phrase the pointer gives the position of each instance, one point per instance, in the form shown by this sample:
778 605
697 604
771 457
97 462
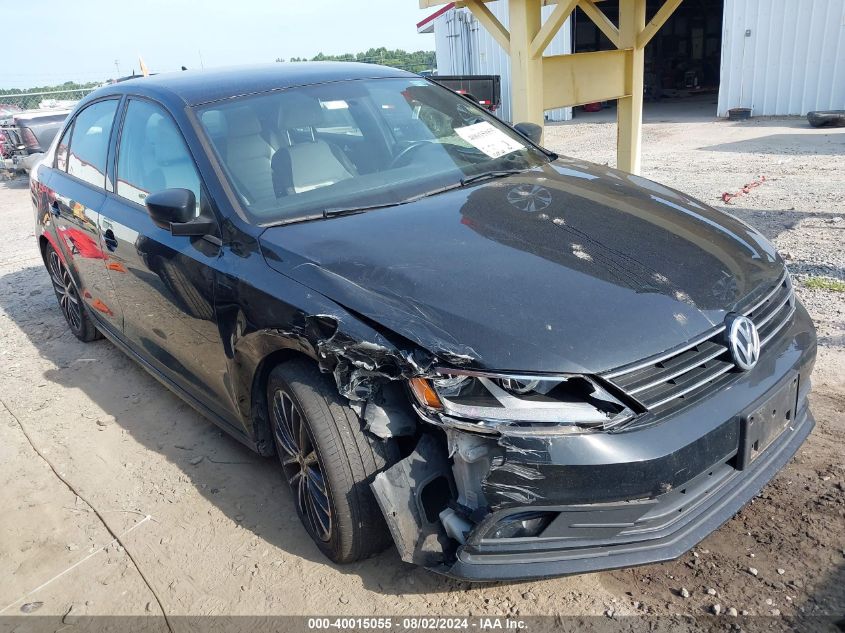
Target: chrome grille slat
659 359
778 286
765 315
770 313
778 327
688 365
673 388
684 391
670 376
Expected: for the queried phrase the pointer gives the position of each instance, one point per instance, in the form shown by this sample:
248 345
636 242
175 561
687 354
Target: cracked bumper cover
619 499
484 559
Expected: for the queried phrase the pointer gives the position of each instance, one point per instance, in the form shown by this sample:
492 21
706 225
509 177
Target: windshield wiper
333 212
489 175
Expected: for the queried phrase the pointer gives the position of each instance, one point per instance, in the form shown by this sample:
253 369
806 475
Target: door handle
55 209
110 240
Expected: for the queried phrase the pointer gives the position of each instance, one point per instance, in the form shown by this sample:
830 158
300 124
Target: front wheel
70 302
328 461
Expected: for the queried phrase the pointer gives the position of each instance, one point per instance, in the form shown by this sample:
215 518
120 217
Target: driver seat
302 164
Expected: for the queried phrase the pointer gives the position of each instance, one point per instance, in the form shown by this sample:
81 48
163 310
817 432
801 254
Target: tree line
416 61
66 86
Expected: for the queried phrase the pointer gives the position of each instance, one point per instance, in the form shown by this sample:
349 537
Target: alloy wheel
66 292
301 466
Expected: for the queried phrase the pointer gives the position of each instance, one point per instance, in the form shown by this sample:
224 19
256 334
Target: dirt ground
209 528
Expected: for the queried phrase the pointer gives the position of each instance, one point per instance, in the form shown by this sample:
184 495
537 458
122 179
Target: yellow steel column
629 112
526 70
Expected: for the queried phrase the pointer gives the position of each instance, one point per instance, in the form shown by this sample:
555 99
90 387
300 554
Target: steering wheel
413 147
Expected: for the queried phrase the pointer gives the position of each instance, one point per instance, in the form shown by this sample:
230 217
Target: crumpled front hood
573 267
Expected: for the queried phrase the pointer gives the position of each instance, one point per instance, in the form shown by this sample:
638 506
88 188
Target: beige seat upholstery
304 164
248 155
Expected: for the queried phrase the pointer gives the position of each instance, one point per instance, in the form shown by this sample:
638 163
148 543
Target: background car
25 136
37 129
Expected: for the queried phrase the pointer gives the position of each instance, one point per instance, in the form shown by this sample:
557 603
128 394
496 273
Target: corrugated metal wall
792 62
465 47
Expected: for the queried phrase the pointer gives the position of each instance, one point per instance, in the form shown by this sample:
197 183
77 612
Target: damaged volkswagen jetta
508 363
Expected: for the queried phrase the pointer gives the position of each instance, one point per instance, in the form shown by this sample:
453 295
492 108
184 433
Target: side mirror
176 209
531 131
172 206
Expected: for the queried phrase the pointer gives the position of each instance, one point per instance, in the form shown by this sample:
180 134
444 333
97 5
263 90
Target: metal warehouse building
776 57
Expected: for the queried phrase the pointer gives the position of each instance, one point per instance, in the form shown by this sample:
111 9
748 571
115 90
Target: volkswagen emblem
744 342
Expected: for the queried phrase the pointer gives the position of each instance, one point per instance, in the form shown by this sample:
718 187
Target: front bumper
541 557
614 499
643 496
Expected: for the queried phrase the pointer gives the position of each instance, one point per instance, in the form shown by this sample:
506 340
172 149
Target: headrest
299 110
167 142
242 121
214 123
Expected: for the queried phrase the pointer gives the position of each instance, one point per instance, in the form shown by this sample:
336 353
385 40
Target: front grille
691 370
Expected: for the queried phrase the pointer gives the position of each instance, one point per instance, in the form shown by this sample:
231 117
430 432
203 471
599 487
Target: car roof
194 87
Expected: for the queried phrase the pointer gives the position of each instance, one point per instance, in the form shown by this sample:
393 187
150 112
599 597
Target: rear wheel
70 302
328 461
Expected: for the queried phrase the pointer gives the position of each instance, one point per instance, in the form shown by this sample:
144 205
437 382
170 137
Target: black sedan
508 363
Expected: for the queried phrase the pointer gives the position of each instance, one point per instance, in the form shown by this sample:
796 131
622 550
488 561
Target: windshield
353 144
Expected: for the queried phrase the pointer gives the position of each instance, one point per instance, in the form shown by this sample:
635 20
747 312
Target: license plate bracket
764 424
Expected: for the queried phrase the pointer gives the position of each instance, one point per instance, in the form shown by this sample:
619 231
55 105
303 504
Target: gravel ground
206 527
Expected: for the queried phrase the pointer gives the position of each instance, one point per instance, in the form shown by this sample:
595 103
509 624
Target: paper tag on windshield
488 139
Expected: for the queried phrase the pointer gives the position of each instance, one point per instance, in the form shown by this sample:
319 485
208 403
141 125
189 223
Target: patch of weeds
824 283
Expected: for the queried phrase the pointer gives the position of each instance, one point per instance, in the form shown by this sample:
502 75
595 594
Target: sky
80 40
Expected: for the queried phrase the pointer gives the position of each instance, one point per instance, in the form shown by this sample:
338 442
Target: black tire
345 457
70 302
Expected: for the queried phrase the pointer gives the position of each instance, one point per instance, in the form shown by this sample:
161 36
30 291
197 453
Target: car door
78 185
165 285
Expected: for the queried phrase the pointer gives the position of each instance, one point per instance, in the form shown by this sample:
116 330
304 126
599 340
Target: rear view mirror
172 206
531 131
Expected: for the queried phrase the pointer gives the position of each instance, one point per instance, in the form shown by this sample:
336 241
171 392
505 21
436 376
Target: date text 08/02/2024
416 623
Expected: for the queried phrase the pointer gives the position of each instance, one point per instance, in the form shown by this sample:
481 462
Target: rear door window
153 155
89 143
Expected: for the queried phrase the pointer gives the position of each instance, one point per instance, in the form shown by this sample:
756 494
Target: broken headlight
490 402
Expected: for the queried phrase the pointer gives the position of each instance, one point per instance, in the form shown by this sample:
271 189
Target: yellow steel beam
659 19
526 70
581 78
539 83
629 110
489 22
551 26
600 20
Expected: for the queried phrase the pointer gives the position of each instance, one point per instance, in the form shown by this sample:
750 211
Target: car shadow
815 142
771 223
17 182
824 606
246 488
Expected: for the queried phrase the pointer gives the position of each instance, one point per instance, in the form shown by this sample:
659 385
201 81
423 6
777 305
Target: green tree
416 61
